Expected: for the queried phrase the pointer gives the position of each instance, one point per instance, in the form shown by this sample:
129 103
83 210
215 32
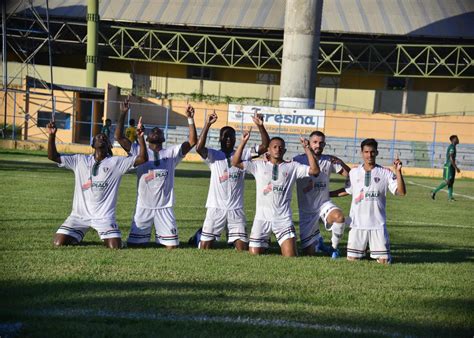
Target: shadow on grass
415 253
188 302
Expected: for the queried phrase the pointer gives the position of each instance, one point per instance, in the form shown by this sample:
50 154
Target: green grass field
89 290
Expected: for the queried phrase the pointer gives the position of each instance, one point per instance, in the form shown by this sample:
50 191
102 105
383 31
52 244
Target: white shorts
166 232
261 231
309 223
216 221
379 243
77 227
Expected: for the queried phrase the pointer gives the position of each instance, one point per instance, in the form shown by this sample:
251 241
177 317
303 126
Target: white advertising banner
286 118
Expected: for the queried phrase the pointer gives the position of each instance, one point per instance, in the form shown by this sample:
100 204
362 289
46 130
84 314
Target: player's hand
51 127
258 119
304 143
211 119
140 128
335 160
458 170
125 105
246 135
397 164
266 157
190 111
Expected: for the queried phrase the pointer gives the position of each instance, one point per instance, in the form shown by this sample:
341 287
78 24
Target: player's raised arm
345 168
201 144
313 164
341 192
143 153
119 135
397 168
53 154
192 139
258 120
237 158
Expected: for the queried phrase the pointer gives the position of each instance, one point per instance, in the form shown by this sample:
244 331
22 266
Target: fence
418 142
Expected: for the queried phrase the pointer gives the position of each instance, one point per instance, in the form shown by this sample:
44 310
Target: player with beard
226 190
274 183
155 186
314 202
97 178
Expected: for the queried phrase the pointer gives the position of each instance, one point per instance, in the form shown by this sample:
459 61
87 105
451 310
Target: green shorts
449 172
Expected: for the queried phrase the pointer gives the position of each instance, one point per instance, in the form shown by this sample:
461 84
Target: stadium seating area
413 154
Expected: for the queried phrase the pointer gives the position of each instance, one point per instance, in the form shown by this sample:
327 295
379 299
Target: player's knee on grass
113 243
256 251
205 245
62 240
288 247
241 245
383 260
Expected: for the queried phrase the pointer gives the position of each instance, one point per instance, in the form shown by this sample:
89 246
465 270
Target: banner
285 119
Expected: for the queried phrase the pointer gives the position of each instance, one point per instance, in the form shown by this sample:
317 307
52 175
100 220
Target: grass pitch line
397 222
104 314
432 188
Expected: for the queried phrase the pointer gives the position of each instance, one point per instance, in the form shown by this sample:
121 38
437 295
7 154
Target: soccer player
226 190
106 127
155 183
368 184
97 178
450 169
314 202
274 182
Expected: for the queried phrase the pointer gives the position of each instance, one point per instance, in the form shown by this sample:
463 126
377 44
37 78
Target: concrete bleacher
413 154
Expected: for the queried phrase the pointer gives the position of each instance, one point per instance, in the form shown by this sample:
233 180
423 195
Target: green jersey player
449 170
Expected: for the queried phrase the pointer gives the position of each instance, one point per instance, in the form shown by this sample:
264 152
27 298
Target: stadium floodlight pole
92 34
51 83
4 60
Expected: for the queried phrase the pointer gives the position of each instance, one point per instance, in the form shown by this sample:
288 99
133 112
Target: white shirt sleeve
124 164
69 161
302 170
250 166
134 149
348 185
392 182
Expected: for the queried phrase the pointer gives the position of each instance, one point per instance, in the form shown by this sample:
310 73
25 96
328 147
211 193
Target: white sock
337 232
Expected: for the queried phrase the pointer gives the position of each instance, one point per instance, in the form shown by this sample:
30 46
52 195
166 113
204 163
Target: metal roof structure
417 18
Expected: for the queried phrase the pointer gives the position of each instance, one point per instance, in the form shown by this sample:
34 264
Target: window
63 120
199 73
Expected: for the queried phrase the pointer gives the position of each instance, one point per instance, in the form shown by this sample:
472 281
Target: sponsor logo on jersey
278 189
159 174
224 177
372 195
234 176
100 185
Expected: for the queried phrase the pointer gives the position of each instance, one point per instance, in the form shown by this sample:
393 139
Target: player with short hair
97 180
274 179
314 202
368 184
450 169
155 183
226 189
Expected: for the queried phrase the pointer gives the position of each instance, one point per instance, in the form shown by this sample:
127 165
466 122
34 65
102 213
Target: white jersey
313 191
95 197
155 178
226 189
369 190
274 184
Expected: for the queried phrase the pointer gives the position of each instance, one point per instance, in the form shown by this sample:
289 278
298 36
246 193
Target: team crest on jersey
105 169
377 179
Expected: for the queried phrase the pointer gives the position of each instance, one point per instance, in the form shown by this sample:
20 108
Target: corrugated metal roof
437 18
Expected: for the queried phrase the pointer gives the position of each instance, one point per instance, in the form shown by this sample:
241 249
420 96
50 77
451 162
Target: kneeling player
314 202
368 184
274 182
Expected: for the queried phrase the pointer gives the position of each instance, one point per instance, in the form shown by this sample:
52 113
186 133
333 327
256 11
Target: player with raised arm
155 183
97 180
274 183
368 184
450 169
314 202
226 189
